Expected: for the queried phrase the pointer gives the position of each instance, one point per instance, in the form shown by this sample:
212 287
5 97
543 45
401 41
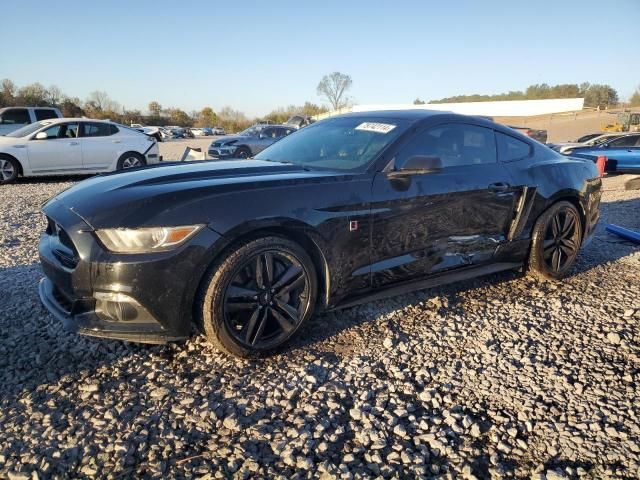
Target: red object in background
601 163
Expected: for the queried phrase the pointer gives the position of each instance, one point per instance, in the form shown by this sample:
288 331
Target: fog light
118 307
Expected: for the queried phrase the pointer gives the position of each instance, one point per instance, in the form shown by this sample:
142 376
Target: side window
65 130
115 129
455 144
510 149
270 132
45 113
16 116
96 130
626 141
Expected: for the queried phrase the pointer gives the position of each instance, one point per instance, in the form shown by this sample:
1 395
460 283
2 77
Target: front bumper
143 297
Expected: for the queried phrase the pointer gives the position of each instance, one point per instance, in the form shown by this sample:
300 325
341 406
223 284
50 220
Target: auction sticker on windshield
375 127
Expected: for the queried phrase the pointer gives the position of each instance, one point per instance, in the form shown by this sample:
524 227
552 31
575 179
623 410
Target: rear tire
9 169
131 160
257 298
556 240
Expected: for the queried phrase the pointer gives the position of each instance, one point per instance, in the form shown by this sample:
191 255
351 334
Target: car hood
232 138
142 197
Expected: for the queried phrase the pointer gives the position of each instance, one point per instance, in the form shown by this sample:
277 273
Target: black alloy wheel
266 300
560 245
556 240
256 298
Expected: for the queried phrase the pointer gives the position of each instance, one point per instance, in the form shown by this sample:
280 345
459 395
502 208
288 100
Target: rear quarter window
15 116
511 149
45 114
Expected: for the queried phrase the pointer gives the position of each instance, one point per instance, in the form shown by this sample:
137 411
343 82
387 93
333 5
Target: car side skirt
434 281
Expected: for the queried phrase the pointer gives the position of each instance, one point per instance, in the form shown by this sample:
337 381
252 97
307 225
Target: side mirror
418 164
41 136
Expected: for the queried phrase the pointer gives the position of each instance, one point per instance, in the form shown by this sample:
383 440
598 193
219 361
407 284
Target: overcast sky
259 55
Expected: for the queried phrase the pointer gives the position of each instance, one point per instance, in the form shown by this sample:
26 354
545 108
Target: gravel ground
498 377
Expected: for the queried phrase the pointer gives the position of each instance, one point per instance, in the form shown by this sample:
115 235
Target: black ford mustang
348 209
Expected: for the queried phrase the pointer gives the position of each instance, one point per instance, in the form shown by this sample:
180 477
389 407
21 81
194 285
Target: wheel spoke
262 314
259 272
286 325
555 226
268 268
240 292
239 306
291 312
557 257
569 243
569 223
566 250
292 272
249 328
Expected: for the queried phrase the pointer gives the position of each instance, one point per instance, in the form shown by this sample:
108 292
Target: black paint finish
366 231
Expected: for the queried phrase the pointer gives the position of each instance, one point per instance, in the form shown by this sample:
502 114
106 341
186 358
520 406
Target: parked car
151 131
539 135
187 133
198 132
207 131
13 118
622 152
349 209
300 121
218 131
249 142
568 147
77 146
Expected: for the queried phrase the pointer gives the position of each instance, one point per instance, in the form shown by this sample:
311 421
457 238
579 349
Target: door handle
499 187
74 143
117 141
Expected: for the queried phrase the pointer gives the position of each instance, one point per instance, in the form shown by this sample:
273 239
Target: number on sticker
375 127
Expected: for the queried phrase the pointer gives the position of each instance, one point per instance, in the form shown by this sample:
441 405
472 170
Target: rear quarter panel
557 177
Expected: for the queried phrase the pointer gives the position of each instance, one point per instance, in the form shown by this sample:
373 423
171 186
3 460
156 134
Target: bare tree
333 87
54 95
101 102
155 108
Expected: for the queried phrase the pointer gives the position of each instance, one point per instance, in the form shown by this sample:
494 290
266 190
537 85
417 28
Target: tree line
595 95
100 105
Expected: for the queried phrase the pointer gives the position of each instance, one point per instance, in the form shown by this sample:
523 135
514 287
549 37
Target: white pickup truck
13 118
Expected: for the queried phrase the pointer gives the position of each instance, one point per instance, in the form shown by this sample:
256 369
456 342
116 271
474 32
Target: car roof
413 114
76 119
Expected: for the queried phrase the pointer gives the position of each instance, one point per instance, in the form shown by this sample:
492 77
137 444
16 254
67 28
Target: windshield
252 131
348 143
602 139
27 129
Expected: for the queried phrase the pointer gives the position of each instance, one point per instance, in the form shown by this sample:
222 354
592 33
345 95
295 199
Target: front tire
258 297
242 153
131 160
9 170
556 240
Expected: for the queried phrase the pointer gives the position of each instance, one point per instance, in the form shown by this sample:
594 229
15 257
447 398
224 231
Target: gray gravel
499 377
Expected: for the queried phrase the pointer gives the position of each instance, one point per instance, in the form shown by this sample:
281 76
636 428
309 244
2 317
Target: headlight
142 240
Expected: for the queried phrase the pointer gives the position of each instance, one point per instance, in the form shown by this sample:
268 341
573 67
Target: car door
99 149
623 153
13 119
266 137
59 151
451 218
